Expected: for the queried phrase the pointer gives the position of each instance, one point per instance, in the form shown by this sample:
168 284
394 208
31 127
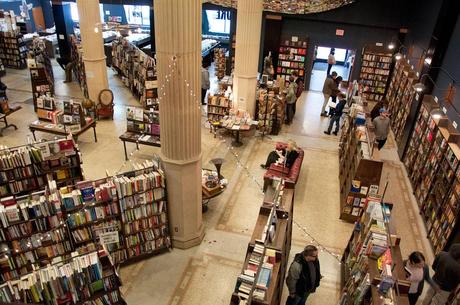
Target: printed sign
108 238
339 32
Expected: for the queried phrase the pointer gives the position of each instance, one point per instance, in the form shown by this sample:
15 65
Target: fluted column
248 30
178 50
93 47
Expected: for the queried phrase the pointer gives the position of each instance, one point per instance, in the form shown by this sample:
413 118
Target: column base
183 181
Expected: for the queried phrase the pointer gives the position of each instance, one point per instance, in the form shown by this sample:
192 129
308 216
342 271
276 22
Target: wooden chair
105 106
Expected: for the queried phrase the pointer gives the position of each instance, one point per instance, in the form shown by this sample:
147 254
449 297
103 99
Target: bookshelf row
359 174
143 124
262 278
137 70
432 164
13 50
79 65
218 107
126 213
27 168
375 70
400 96
372 263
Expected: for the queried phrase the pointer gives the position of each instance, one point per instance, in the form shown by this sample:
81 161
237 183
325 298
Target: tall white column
248 31
178 51
93 47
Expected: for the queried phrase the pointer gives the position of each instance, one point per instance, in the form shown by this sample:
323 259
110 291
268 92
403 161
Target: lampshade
398 56
419 87
437 113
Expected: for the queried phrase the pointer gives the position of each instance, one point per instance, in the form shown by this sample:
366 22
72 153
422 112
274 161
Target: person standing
303 276
299 89
446 276
382 127
204 83
375 112
291 98
329 89
337 114
417 273
330 60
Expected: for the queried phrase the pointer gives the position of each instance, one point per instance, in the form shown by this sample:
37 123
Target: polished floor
205 275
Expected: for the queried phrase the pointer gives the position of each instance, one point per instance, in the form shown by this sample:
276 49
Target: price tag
444 110
108 238
454 124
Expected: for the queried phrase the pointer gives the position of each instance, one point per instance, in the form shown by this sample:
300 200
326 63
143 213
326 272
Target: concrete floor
206 274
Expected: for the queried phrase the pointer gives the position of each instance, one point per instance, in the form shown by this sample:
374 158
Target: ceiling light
419 87
398 56
391 46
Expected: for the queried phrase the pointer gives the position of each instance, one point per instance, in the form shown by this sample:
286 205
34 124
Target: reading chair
290 175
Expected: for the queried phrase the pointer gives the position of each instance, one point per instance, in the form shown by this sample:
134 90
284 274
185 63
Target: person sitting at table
285 157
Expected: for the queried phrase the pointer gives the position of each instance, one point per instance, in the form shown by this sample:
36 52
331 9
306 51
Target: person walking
204 83
337 114
303 276
382 127
329 89
446 276
291 98
417 273
330 60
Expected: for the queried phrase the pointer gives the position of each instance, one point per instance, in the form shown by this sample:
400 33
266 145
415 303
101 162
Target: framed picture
48 104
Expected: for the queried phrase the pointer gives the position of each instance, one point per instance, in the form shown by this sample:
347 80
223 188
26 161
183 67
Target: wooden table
41 126
3 117
237 142
207 195
133 137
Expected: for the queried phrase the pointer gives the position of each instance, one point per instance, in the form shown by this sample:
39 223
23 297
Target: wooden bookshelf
400 96
41 71
219 61
143 125
137 71
270 242
292 57
358 172
271 109
375 71
25 169
13 50
79 64
371 246
432 163
218 107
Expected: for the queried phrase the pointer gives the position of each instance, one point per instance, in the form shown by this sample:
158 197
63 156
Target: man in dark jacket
337 114
446 268
304 276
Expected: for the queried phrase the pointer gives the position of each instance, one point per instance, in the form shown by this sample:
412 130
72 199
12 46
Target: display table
235 130
137 138
3 116
61 131
209 192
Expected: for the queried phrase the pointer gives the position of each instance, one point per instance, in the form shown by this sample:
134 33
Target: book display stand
271 109
262 278
41 71
219 60
13 49
292 57
218 107
375 70
372 265
359 175
143 127
25 169
137 70
400 96
432 163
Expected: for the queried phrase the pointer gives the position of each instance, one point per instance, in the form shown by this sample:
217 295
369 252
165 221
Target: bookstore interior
191 187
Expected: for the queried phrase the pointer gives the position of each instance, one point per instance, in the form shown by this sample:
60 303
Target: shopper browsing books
376 110
417 273
285 157
329 89
303 276
205 85
291 98
337 114
382 127
446 276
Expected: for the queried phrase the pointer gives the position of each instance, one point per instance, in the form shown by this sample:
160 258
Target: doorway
344 61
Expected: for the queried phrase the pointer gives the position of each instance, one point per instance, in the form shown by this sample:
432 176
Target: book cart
375 70
432 163
359 174
262 278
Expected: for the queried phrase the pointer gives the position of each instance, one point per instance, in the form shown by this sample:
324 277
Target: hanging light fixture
398 56
419 87
391 46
